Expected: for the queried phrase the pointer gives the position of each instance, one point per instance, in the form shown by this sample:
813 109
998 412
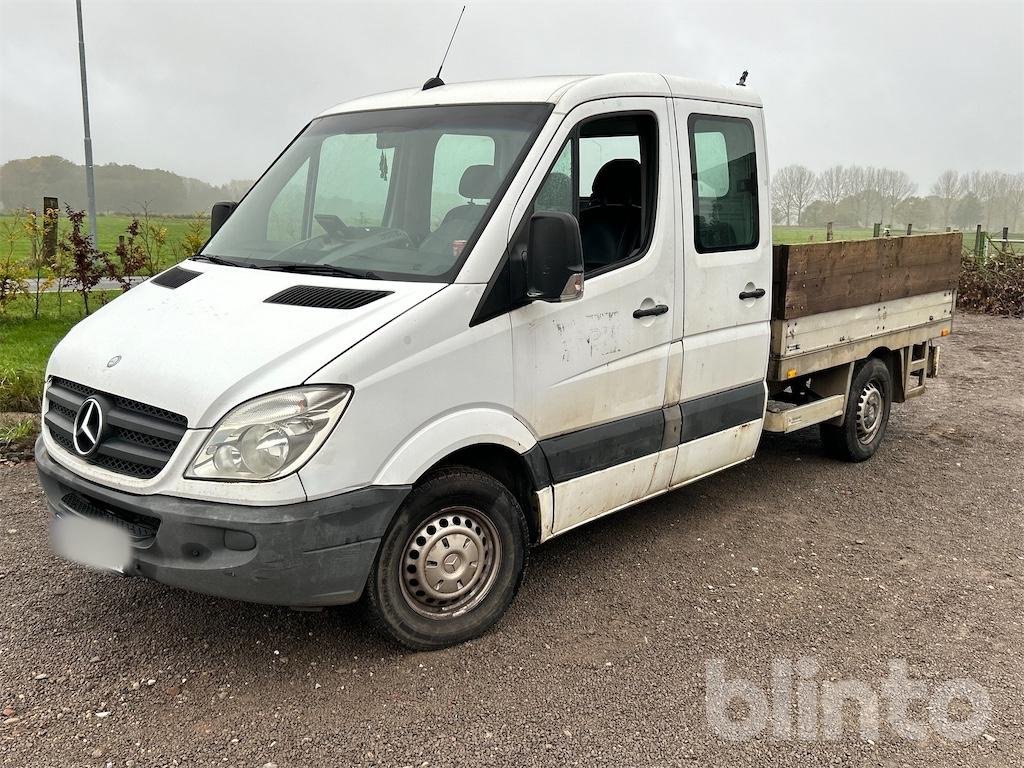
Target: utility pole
90 186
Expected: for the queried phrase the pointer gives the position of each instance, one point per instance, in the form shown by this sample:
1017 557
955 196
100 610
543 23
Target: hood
203 347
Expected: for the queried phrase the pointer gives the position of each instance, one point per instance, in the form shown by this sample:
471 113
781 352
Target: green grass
783 235
26 344
110 226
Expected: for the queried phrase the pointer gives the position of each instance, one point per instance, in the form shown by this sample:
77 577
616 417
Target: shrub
13 272
994 285
87 264
21 390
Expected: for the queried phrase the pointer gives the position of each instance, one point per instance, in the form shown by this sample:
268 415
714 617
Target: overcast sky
214 89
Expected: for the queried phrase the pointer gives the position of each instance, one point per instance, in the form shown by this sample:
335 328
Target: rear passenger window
724 168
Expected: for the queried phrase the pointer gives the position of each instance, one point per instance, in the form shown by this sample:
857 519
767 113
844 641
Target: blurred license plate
92 543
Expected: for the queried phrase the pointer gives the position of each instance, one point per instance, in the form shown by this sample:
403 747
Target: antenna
743 78
436 79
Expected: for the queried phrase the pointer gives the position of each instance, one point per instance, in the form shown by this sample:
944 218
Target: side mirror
220 214
554 257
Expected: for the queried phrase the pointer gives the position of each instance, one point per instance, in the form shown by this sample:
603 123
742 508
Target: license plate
92 543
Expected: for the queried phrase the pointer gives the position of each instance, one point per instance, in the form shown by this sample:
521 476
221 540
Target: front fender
449 433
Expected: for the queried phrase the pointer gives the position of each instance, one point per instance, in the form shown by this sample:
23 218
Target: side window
611 187
556 191
724 168
452 187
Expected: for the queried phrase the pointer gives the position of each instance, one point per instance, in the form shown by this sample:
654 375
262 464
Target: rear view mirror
554 257
220 214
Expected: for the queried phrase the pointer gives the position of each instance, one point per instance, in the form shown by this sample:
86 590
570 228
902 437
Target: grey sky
215 89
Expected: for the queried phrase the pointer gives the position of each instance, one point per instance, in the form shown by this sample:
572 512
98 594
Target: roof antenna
436 79
743 78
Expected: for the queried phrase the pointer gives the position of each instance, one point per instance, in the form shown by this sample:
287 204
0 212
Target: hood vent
174 277
326 298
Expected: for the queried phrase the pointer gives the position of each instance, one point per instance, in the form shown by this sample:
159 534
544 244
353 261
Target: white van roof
565 92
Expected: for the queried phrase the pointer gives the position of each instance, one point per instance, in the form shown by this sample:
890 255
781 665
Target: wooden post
50 228
977 242
910 228
1006 238
828 232
878 229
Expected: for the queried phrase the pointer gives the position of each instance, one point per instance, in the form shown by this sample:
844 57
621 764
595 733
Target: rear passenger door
590 374
726 288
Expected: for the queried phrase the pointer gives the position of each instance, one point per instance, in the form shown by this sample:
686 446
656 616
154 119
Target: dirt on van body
834 572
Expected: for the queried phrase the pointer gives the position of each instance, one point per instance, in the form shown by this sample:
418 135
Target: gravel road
916 555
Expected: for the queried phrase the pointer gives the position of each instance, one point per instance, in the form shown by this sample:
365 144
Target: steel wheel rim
450 562
870 408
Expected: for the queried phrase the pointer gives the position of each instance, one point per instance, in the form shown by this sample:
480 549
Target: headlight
271 435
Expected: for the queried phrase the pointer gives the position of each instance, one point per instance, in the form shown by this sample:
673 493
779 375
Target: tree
916 211
968 211
130 257
894 187
87 265
984 186
792 189
1015 197
948 189
834 184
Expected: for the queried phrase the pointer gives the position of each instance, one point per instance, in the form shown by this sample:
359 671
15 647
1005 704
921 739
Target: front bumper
312 553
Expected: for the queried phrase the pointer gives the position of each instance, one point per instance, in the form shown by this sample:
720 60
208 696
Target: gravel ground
915 555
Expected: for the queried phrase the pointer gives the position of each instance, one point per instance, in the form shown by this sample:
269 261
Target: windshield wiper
321 269
217 260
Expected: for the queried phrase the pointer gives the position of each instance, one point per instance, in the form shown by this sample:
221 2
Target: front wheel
451 562
867 414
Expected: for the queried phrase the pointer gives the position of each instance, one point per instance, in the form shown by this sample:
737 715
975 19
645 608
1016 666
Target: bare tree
792 188
948 188
1015 199
984 185
834 184
894 187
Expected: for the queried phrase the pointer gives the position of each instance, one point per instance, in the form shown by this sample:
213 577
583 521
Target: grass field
782 235
26 343
109 226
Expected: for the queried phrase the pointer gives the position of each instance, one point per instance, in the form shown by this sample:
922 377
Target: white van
446 325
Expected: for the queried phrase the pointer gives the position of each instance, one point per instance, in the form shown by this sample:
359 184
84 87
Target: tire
455 511
866 417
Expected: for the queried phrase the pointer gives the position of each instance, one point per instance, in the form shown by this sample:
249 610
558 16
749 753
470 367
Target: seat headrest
618 182
479 182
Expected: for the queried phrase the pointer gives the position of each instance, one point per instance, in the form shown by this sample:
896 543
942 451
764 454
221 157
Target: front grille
138 439
141 528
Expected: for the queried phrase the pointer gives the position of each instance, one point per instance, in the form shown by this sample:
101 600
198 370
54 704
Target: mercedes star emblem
88 427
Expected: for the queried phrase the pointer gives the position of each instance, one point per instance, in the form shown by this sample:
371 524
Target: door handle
657 309
757 293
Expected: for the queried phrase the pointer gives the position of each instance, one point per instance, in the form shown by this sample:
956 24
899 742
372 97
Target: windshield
396 194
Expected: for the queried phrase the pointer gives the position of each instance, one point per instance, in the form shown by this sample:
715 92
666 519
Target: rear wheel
866 417
451 562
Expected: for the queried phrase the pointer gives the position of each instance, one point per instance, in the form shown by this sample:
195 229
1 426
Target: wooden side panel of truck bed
812 278
836 302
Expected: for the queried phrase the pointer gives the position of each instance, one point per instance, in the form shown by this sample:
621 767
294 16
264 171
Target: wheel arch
486 439
893 360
